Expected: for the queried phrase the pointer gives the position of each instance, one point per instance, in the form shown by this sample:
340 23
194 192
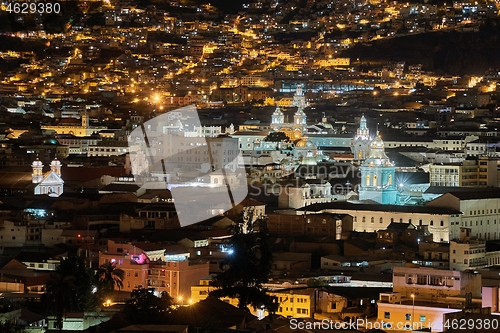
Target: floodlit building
378 175
51 182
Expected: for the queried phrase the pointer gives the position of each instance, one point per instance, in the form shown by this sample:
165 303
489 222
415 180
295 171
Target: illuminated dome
56 162
377 156
305 143
37 162
377 143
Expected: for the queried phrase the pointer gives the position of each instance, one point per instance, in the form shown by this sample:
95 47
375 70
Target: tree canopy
144 307
247 266
277 137
69 289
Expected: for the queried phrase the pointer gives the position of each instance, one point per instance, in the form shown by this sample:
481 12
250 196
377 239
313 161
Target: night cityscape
248 166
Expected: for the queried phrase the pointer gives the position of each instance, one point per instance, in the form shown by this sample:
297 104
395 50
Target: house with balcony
421 297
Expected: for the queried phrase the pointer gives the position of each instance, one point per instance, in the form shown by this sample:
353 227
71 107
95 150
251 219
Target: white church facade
49 183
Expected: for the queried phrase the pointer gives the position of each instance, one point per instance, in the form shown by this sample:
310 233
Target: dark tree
108 276
247 266
60 296
144 307
75 266
277 137
69 289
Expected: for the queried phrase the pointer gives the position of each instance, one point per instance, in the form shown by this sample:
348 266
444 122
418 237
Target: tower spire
37 173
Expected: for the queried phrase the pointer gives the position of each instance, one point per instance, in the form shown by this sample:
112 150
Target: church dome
305 143
278 111
55 162
36 163
377 143
377 156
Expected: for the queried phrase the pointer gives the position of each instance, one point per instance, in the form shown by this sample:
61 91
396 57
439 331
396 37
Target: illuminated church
51 182
296 129
377 175
360 146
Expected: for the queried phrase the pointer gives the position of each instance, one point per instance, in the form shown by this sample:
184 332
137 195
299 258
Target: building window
408 316
372 220
387 315
363 219
432 222
381 220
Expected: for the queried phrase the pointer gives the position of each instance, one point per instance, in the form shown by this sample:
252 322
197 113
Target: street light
413 310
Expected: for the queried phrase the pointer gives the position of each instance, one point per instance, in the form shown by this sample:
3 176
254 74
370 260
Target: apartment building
422 296
155 267
482 172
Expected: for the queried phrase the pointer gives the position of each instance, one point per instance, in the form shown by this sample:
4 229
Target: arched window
381 220
372 220
389 181
360 154
367 180
374 180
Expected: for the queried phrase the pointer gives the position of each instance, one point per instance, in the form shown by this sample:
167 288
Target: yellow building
295 303
74 127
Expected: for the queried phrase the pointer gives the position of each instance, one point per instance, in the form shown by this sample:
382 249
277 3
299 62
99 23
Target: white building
374 217
49 183
421 297
479 211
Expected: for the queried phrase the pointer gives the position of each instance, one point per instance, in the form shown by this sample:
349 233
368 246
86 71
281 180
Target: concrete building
155 267
433 284
297 194
479 211
468 253
336 226
482 172
422 296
